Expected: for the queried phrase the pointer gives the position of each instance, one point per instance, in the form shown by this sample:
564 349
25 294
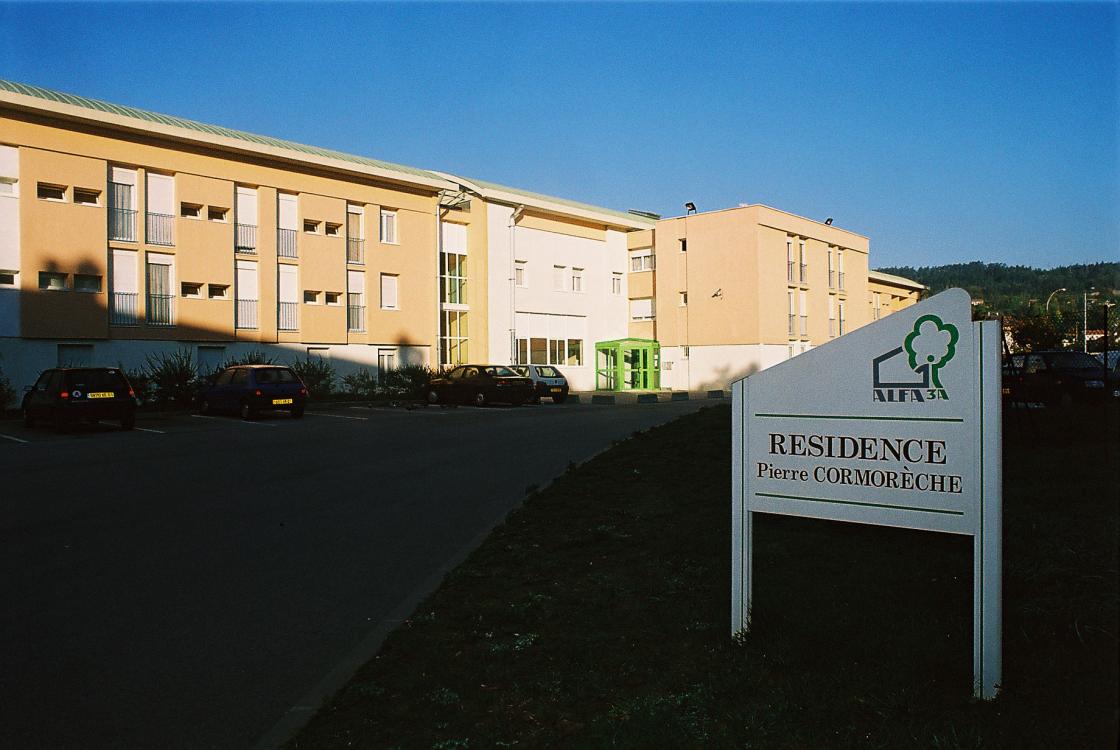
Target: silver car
548 382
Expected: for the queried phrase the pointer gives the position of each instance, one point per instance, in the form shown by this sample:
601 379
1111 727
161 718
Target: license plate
281 401
101 394
555 390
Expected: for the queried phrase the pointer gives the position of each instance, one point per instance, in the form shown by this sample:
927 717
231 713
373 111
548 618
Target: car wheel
247 412
535 400
204 407
480 398
433 396
560 399
28 419
297 413
128 421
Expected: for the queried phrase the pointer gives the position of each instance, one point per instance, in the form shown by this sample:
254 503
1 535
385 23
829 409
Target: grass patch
598 615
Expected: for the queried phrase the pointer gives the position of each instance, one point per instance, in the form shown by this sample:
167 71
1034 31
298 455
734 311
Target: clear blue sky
945 132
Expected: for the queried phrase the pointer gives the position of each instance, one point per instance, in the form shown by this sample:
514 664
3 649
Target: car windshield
94 380
500 372
1073 361
275 375
549 372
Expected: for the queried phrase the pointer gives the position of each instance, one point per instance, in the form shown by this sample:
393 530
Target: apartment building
729 292
124 233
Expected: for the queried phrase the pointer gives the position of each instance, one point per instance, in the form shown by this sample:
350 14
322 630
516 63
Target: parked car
480 385
66 395
548 382
250 389
1056 377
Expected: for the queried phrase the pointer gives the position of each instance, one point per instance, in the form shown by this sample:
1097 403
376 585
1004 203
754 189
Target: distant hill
1016 289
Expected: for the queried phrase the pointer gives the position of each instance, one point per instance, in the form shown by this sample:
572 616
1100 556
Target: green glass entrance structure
628 365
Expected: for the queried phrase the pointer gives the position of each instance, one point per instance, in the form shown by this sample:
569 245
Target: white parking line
233 421
336 416
141 429
441 412
18 440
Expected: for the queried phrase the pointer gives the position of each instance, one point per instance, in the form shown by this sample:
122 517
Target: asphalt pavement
201 582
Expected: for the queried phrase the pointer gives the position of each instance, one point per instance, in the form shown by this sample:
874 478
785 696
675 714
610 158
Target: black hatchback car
67 395
250 389
1056 377
480 385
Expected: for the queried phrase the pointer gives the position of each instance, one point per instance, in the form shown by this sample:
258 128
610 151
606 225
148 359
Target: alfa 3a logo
910 372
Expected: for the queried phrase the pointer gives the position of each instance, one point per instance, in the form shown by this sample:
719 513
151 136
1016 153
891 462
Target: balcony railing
286 243
831 279
355 318
246 314
160 229
804 325
289 316
804 273
123 309
246 239
841 281
792 324
841 326
159 310
831 327
355 250
122 224
789 270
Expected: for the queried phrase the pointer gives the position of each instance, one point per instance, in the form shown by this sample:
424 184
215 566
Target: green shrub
174 377
256 357
316 373
141 383
361 383
410 381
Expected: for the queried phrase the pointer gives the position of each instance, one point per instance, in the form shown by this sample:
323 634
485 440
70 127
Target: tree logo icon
911 372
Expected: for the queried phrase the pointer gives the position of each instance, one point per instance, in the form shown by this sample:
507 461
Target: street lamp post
1052 297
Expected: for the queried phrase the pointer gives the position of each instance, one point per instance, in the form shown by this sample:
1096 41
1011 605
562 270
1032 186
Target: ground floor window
542 351
453 337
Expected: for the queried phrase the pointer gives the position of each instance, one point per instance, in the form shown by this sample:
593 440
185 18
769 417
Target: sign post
897 423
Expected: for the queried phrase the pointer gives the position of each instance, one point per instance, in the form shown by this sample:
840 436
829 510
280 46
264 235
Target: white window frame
576 282
396 302
652 309
645 259
389 227
64 188
520 274
616 283
15 278
682 299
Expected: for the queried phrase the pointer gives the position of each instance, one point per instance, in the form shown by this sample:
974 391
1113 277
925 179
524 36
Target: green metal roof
201 127
562 201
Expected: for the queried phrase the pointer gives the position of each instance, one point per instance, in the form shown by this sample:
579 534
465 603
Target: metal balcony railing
355 318
792 324
355 250
246 314
831 279
122 224
804 273
160 309
841 326
832 328
288 316
246 239
789 270
841 281
286 243
804 325
123 309
160 229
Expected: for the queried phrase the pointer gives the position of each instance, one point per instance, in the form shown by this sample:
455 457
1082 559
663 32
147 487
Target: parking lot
192 582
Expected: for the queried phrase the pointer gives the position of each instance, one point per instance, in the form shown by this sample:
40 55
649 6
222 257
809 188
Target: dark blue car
250 389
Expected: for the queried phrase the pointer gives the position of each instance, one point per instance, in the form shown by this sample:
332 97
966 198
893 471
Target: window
641 309
840 269
310 297
161 297
389 227
50 192
804 262
575 353
453 278
877 306
831 316
334 230
544 351
641 260
388 292
87 196
831 269
190 210
616 283
122 204
217 291
683 299
191 290
789 261
684 245
54 282
519 277
684 352
334 298
453 337
86 282
216 213
842 317
558 273
247 292
804 314
792 314
9 278
577 279
311 226
160 197
9 185
386 360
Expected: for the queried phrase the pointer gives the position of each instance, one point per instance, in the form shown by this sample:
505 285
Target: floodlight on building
828 221
690 207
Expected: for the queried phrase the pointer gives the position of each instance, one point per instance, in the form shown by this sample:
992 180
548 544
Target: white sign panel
897 423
